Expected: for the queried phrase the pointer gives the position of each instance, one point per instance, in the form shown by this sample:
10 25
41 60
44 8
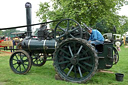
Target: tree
8 32
108 23
0 32
124 24
84 11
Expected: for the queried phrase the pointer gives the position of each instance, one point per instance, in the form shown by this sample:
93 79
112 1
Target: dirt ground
4 53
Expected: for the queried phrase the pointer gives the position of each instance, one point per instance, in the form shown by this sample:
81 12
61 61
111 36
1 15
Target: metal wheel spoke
17 67
61 28
72 36
14 63
73 30
80 72
85 52
75 71
67 66
67 25
14 59
66 57
85 58
20 56
61 36
79 49
65 52
70 70
25 60
82 67
37 61
34 58
74 46
23 65
26 64
20 67
64 62
88 64
40 60
70 51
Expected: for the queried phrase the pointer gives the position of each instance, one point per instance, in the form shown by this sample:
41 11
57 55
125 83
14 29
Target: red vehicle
0 42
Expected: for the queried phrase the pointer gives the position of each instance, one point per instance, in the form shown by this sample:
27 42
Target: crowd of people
8 39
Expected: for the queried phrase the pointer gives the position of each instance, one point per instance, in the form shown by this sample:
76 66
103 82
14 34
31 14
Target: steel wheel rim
80 71
67 30
20 63
115 56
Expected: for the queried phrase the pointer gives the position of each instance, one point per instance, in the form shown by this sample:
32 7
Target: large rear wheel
75 60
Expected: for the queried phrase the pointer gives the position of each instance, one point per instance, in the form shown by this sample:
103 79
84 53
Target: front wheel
20 62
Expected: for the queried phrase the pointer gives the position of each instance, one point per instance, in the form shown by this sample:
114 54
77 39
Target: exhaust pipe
28 7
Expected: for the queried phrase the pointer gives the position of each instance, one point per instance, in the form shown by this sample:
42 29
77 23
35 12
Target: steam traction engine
74 59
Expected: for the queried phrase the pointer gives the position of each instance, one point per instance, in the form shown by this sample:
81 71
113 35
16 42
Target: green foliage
107 24
124 24
0 32
90 12
8 32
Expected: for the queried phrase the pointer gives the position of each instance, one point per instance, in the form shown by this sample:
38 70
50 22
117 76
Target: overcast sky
13 12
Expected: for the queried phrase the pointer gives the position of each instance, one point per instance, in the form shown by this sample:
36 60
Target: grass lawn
45 75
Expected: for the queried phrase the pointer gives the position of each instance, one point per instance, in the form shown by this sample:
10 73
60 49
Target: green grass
44 75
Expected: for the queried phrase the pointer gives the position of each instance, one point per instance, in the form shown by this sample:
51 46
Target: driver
96 37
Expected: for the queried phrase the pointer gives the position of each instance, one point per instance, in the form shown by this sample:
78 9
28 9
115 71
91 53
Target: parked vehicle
126 39
117 38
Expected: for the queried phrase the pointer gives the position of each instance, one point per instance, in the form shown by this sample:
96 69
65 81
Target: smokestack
28 7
